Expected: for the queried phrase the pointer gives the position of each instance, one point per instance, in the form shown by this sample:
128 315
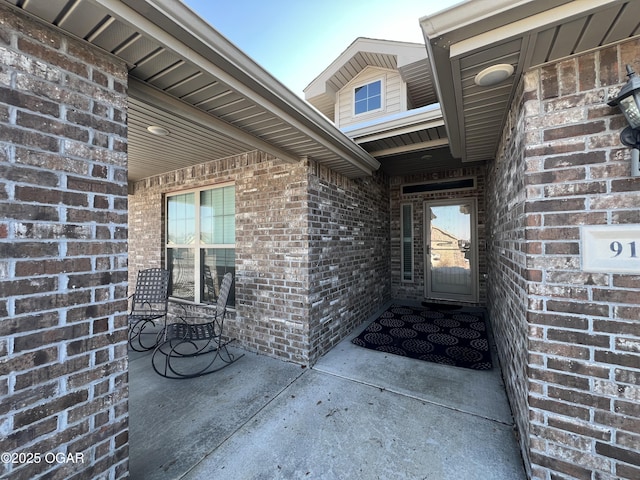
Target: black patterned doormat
451 337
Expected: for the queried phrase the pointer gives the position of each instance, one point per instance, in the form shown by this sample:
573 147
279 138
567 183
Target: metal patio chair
192 348
211 290
148 305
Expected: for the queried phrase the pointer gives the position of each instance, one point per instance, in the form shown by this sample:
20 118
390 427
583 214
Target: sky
295 40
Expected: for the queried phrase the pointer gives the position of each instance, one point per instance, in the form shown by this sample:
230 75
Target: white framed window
200 242
367 98
406 250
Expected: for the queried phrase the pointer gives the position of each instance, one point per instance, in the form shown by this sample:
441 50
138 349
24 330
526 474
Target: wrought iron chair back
211 290
148 304
223 296
193 348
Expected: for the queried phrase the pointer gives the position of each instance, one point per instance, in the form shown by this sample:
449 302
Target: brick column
348 236
568 339
63 255
584 329
507 300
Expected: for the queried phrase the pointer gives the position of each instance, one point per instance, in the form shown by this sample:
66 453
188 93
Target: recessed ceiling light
156 130
493 75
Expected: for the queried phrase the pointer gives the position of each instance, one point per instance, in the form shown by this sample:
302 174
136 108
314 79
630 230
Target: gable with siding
394 97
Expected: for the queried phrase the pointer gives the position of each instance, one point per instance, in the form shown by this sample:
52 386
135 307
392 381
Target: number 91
617 248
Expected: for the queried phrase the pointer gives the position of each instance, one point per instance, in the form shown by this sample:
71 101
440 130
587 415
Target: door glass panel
450 250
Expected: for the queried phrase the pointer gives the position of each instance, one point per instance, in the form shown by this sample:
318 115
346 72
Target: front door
451 250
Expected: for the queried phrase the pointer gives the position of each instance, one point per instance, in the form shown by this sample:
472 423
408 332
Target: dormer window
368 98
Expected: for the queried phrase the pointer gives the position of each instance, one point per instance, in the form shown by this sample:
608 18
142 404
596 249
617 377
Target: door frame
473 251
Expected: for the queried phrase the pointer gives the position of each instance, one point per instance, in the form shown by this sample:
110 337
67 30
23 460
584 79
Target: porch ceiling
467 38
406 143
187 78
421 161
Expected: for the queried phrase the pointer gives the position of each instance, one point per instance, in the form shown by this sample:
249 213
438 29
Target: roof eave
444 86
203 45
474 25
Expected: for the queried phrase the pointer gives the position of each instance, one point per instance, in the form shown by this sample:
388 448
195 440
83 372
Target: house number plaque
611 248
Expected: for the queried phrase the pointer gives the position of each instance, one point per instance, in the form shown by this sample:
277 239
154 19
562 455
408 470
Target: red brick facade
63 255
568 339
316 254
304 234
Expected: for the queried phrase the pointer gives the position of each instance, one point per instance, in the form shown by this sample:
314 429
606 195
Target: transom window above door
200 246
368 98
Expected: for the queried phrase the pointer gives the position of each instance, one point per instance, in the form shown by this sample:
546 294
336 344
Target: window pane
229 229
217 201
209 201
218 234
361 93
406 221
374 103
374 89
407 264
368 97
181 219
407 242
206 229
215 262
181 267
217 216
361 107
229 200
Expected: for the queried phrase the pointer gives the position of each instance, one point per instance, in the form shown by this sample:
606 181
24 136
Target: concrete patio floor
357 414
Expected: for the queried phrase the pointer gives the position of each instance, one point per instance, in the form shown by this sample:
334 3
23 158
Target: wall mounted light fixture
628 100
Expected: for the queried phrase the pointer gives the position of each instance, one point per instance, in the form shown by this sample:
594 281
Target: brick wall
582 329
415 290
249 174
146 216
63 255
272 259
507 301
350 276
304 237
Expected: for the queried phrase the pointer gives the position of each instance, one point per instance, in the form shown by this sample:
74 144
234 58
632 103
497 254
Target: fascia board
526 25
406 122
472 17
443 83
414 147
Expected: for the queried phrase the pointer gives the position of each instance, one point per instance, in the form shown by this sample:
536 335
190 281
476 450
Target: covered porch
356 413
319 244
